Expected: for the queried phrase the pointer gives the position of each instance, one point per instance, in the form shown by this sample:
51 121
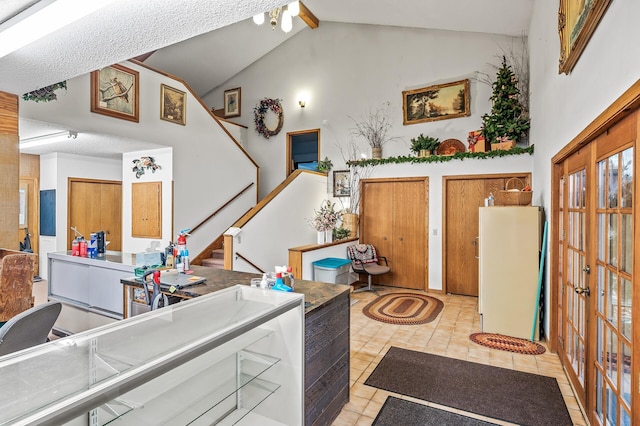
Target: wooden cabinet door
146 212
394 219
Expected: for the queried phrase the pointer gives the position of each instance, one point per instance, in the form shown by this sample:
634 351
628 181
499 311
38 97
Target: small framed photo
232 103
173 104
439 102
341 183
115 92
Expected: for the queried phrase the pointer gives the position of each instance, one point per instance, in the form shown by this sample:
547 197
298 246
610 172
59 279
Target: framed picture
173 104
115 92
341 183
577 20
232 102
439 102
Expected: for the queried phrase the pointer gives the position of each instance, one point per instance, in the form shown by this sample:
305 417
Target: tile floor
447 335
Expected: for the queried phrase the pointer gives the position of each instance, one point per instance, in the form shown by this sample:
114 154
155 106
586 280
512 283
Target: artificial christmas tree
507 121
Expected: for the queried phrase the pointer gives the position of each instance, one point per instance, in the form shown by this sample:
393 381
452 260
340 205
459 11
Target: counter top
316 293
111 257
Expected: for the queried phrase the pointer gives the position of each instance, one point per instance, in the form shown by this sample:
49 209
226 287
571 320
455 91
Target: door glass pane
600 348
612 355
612 404
602 240
613 240
626 293
626 374
599 395
600 285
626 240
602 178
613 181
627 178
612 299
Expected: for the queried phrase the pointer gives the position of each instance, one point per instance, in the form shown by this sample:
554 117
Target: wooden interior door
146 215
376 221
393 217
410 254
30 190
463 196
95 205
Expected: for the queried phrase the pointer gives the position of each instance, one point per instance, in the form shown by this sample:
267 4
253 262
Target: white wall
55 170
347 69
282 223
208 167
163 158
563 105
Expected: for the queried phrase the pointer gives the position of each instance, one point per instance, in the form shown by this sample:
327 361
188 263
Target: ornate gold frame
577 20
120 85
429 95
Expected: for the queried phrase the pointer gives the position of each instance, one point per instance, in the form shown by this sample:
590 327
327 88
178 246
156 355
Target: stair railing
231 200
238 255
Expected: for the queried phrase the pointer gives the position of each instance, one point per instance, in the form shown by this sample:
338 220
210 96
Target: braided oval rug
507 343
404 308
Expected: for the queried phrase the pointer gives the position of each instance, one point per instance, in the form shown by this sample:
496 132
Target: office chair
364 260
29 328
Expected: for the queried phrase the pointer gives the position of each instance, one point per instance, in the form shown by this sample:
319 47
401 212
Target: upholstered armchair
16 283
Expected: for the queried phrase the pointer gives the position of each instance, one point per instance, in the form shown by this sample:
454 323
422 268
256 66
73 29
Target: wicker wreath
260 112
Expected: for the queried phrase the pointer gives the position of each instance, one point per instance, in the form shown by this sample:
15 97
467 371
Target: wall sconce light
303 98
302 103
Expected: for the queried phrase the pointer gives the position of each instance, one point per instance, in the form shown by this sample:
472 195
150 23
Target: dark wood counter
326 336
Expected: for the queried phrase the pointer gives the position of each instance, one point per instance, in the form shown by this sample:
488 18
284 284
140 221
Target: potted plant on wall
374 128
424 146
508 121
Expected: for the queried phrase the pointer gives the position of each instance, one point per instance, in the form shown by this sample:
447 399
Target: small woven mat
506 343
404 308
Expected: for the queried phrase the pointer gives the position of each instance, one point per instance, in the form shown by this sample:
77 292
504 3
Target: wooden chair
365 260
16 283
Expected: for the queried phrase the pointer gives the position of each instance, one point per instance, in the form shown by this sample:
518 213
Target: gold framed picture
173 105
438 102
115 92
577 20
232 103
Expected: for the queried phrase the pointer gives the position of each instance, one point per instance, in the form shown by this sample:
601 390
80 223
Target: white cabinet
509 249
232 357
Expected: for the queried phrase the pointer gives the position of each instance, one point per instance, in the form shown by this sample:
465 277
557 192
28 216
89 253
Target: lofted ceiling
206 42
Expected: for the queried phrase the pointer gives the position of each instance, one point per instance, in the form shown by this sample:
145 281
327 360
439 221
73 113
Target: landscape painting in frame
439 102
114 92
172 104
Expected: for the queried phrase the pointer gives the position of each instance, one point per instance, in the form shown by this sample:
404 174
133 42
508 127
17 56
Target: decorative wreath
261 110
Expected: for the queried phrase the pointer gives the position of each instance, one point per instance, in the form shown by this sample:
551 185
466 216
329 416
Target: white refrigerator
508 250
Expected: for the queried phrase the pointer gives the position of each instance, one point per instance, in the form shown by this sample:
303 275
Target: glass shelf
197 354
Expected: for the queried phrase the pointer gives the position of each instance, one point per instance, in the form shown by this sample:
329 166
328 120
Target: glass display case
232 357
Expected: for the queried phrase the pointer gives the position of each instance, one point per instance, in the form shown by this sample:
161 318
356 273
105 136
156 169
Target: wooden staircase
216 260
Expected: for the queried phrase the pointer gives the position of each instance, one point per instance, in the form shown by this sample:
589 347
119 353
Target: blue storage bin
331 270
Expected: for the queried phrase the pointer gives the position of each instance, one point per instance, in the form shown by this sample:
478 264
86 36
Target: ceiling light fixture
42 19
288 12
47 139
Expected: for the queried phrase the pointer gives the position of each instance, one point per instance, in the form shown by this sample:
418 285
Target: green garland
45 94
442 158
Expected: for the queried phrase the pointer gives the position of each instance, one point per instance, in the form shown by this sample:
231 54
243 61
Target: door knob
400 238
587 269
583 290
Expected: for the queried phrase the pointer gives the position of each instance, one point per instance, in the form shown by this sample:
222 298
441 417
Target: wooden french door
596 192
393 217
463 196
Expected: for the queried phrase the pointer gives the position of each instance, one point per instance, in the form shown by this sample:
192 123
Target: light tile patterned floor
447 335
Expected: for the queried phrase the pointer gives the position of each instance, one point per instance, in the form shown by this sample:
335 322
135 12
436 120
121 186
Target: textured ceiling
228 41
